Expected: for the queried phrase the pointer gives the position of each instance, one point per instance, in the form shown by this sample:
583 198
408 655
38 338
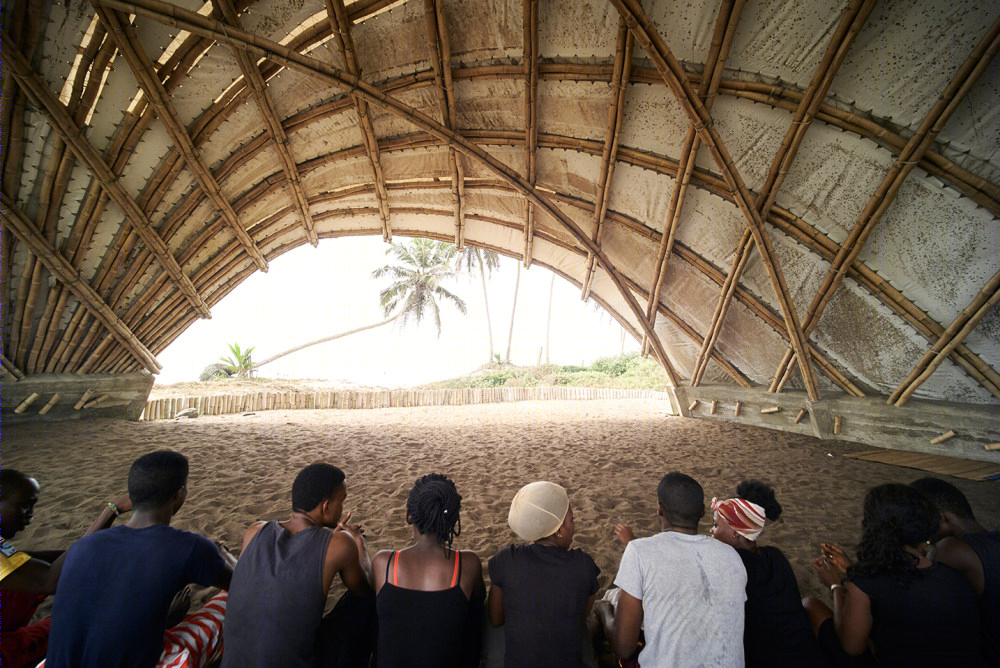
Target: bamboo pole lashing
837 422
49 404
770 409
23 406
802 414
937 440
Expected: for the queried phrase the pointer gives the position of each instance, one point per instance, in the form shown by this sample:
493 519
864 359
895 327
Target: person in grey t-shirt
684 590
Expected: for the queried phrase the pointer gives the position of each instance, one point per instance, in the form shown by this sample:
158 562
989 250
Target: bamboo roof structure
766 193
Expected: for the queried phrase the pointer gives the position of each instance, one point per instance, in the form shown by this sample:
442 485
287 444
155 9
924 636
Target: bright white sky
309 293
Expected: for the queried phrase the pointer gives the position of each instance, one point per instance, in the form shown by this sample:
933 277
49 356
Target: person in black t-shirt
541 592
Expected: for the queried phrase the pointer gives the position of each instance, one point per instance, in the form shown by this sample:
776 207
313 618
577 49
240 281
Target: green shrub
615 366
573 369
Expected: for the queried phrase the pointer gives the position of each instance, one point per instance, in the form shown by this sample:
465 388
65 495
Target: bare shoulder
955 553
252 531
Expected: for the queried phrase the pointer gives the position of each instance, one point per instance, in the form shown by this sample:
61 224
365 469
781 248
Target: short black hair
682 499
762 494
944 496
433 506
11 480
155 477
314 484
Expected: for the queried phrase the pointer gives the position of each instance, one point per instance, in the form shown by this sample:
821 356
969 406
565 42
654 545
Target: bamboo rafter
73 135
173 15
530 73
612 131
440 48
156 95
678 83
849 26
11 368
340 24
722 39
29 235
956 90
954 335
279 140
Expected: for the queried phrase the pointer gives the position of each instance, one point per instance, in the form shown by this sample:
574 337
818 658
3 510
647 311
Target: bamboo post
992 446
94 403
48 406
770 410
694 405
715 404
739 404
23 406
802 414
836 425
943 437
83 399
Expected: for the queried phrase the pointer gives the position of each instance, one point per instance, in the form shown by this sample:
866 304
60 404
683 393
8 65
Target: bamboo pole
770 410
960 327
74 136
736 411
802 414
49 404
97 401
11 368
715 404
612 131
837 421
23 406
83 399
956 90
992 446
530 72
937 440
694 405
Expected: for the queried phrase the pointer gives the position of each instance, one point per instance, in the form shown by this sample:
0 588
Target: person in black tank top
429 597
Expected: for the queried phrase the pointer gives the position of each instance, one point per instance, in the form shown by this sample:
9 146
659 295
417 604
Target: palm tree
487 261
422 266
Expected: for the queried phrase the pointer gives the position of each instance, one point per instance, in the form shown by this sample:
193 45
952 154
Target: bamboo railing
226 404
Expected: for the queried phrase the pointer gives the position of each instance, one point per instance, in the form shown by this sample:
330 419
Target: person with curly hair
776 629
429 596
915 611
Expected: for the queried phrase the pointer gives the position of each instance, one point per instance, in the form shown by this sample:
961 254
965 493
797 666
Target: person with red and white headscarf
777 630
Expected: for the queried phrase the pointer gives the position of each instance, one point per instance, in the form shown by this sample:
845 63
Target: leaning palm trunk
324 340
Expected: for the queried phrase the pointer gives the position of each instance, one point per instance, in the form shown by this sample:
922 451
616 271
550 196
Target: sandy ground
609 454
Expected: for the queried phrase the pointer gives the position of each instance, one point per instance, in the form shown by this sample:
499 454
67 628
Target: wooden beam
440 48
157 96
956 90
26 232
196 23
718 52
673 75
955 334
279 140
340 24
848 27
75 138
530 64
612 131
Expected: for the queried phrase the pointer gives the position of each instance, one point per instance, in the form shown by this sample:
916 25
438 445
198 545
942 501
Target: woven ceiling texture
772 193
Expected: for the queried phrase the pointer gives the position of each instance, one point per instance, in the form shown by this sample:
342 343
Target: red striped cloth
745 517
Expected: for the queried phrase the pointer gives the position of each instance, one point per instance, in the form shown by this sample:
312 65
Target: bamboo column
612 131
847 30
959 86
530 63
960 327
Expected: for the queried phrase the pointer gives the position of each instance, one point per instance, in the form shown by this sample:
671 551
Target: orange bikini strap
454 575
395 567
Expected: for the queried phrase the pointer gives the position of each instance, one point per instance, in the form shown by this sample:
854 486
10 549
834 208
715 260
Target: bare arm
623 629
495 605
343 556
357 532
852 613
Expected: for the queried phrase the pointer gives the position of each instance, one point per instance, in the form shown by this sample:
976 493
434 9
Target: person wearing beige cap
541 591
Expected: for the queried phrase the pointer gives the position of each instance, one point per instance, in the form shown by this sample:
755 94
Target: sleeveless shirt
422 628
987 548
276 599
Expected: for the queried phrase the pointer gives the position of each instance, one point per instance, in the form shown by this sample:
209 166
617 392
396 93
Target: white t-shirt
692 590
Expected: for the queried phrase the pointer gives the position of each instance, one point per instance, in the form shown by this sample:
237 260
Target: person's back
692 589
280 584
986 545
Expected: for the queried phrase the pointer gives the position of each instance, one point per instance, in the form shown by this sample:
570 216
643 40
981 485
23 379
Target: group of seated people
924 588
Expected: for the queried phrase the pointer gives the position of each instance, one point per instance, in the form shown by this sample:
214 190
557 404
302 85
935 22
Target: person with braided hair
429 596
776 630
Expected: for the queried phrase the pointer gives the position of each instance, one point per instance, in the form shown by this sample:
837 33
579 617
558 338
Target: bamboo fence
225 404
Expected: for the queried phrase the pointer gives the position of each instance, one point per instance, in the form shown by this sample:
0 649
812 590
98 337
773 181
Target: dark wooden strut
75 138
231 35
279 140
128 45
849 26
613 128
722 39
673 75
954 335
341 27
530 69
28 234
440 48
956 90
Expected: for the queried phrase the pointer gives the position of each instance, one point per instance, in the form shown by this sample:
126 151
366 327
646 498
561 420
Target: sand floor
608 454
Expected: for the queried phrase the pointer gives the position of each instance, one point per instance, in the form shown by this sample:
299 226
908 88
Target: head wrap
745 517
538 510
